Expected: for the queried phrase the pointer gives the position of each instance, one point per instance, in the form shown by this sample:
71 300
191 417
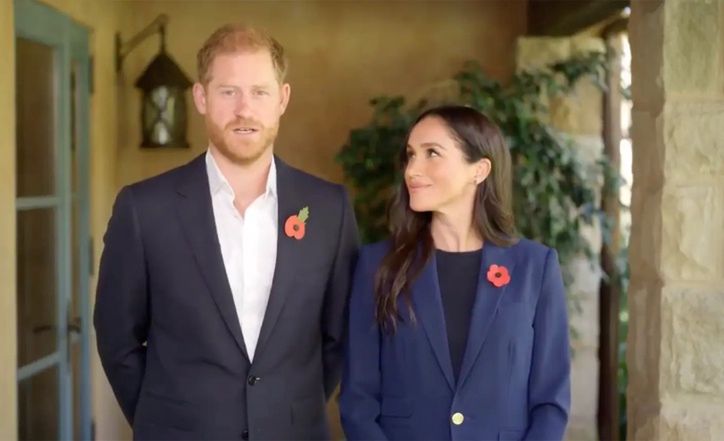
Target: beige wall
342 54
8 362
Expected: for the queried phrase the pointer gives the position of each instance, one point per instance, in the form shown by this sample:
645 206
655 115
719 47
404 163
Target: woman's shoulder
370 258
374 252
531 246
526 250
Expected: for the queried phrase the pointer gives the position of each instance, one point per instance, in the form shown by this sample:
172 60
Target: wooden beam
567 17
609 292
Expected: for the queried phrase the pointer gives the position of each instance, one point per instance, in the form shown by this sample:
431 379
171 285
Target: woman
457 329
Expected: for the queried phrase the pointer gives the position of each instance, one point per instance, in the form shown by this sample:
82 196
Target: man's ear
199 93
285 92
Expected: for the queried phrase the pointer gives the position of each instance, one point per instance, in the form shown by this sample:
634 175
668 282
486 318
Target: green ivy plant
554 191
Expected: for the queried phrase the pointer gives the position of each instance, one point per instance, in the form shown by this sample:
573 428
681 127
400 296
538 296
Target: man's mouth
245 130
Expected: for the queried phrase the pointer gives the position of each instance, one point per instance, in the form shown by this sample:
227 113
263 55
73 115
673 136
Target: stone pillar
578 117
676 296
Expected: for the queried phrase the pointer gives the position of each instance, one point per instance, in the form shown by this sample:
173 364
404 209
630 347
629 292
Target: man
223 284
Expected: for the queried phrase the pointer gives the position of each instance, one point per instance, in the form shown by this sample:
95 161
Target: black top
458 276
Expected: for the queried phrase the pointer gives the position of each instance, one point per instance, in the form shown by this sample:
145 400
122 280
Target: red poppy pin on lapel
498 275
296 223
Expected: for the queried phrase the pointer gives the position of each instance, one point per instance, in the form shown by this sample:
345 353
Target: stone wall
676 297
579 118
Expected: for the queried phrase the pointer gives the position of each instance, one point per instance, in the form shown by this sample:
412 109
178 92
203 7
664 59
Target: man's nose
242 105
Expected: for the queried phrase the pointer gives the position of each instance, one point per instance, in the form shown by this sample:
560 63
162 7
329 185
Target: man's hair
233 38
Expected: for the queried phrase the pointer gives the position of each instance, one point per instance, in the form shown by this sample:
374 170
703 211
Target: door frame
40 23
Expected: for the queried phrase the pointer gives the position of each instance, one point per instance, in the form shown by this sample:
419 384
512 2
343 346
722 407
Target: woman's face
438 177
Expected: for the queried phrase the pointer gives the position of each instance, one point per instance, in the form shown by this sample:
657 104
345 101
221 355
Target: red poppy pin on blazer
295 225
498 275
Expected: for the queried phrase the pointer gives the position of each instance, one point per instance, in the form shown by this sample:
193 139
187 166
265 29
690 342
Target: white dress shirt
248 247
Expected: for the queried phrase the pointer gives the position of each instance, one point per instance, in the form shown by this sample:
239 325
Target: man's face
242 104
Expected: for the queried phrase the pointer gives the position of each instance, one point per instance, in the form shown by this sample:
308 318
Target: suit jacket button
252 380
458 418
245 435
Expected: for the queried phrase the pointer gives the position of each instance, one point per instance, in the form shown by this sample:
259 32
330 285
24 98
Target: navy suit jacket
168 334
514 380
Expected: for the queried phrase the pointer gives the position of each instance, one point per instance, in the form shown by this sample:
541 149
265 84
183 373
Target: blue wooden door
52 209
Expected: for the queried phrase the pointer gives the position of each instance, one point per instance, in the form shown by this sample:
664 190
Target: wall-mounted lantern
163 85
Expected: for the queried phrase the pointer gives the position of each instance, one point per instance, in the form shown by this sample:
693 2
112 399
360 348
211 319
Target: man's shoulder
308 180
315 189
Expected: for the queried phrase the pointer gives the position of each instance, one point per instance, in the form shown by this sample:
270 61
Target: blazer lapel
197 219
486 304
428 307
289 202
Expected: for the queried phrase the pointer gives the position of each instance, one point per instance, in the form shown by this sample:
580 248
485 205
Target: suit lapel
197 218
289 200
487 301
428 307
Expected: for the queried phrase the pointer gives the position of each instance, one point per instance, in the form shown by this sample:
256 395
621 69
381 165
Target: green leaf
304 214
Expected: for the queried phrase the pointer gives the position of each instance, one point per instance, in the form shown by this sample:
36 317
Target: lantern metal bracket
123 49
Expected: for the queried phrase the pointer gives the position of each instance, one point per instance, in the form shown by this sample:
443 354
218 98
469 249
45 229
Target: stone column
577 117
676 297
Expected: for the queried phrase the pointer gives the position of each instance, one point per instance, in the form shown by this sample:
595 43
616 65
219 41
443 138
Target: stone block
584 44
642 427
643 350
646 232
692 350
584 398
693 232
588 147
539 52
648 149
692 47
694 141
646 35
580 430
580 111
691 418
585 287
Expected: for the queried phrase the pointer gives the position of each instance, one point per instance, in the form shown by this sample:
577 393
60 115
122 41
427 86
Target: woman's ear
482 170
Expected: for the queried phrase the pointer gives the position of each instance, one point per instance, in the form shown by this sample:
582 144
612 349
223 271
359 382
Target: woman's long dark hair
411 241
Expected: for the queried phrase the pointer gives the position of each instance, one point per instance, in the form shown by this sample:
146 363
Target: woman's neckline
459 253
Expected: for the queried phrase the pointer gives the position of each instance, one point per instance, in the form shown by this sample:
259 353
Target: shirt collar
218 182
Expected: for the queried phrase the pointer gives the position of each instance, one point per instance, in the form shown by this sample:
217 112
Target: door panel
53 240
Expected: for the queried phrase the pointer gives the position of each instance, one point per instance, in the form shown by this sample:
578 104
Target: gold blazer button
458 418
